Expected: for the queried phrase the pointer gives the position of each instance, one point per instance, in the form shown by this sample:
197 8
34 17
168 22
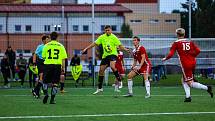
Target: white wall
118 21
39 22
36 22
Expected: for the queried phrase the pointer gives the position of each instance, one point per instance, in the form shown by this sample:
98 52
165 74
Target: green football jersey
53 53
109 44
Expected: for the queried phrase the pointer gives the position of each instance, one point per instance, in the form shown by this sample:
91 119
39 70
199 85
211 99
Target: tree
202 16
205 18
126 31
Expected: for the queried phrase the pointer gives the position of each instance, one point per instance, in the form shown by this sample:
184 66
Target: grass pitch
78 104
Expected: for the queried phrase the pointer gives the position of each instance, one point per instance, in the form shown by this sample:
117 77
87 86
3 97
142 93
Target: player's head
108 30
9 48
136 40
21 55
45 39
180 32
54 36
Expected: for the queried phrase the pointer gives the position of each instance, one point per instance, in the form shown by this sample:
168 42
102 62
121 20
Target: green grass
80 101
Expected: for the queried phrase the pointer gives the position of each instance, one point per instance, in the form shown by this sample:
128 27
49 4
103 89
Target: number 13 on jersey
53 54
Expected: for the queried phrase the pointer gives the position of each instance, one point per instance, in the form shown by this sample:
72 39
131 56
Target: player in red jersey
187 52
121 70
144 67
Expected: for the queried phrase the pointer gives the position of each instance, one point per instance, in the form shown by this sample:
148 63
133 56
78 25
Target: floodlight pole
93 38
62 24
190 4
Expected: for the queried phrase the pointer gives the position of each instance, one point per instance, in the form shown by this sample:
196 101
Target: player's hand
127 49
84 51
34 66
163 59
138 67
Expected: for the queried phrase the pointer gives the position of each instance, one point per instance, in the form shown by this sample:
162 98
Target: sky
165 5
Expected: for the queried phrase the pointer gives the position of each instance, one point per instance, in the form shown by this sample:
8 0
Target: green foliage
202 18
126 31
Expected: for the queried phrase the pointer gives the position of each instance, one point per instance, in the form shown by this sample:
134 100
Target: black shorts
106 60
40 65
51 73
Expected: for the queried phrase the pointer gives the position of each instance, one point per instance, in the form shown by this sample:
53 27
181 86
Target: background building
147 21
22 25
15 1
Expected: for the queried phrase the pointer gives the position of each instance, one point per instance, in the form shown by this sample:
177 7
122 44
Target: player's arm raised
121 47
89 47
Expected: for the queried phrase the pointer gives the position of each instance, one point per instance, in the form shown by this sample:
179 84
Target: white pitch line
70 95
106 115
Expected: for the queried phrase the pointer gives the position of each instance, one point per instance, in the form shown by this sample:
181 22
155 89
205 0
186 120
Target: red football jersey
137 55
119 59
186 50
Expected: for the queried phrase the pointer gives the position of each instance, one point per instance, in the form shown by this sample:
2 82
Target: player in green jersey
109 43
54 55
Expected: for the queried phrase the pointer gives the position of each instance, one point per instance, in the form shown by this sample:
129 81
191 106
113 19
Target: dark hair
45 37
20 54
54 35
135 37
107 27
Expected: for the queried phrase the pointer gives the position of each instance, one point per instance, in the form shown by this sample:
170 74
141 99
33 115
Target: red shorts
120 69
188 72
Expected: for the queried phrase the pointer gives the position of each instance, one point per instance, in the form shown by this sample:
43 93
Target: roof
136 1
77 8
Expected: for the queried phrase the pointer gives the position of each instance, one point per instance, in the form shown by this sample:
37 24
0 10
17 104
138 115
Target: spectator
21 64
5 69
32 76
12 58
75 61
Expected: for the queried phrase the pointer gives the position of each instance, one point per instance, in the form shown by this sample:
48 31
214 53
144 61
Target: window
170 21
1 28
114 28
27 51
28 28
153 21
85 28
75 28
19 51
47 28
135 21
17 28
57 27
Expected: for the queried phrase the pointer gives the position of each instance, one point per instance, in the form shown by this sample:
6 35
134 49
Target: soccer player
54 55
38 60
120 68
187 52
109 43
144 67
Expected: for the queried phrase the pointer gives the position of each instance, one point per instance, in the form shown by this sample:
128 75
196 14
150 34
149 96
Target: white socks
186 89
130 84
147 85
198 86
